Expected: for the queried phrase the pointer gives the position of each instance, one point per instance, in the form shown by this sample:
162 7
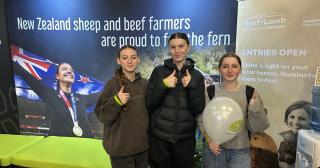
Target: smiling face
128 60
178 50
230 69
65 73
298 119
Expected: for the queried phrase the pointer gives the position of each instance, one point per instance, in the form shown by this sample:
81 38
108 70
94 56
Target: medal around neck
77 130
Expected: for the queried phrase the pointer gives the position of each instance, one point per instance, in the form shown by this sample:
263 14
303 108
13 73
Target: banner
87 34
8 103
279 44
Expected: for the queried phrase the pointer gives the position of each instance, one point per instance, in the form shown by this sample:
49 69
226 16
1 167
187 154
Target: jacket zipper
178 113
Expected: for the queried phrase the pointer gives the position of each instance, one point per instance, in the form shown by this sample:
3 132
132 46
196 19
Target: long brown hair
121 77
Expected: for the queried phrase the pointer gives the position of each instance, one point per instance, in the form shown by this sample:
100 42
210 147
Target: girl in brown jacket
121 108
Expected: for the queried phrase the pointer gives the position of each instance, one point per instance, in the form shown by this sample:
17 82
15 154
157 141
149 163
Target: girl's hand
186 79
215 148
171 80
124 97
253 98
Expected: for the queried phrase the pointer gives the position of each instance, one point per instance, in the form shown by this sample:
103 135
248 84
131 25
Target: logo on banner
311 21
272 20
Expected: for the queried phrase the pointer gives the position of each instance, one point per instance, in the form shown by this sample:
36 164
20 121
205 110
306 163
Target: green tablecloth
63 152
11 144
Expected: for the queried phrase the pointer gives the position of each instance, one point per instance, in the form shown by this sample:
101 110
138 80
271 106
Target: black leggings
139 160
164 154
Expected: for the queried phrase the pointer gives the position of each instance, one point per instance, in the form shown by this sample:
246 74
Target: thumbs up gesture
124 97
171 80
254 97
186 79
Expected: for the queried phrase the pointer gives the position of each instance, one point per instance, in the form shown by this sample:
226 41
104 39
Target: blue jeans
228 158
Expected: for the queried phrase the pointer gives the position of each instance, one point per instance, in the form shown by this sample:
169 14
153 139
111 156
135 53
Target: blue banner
87 34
